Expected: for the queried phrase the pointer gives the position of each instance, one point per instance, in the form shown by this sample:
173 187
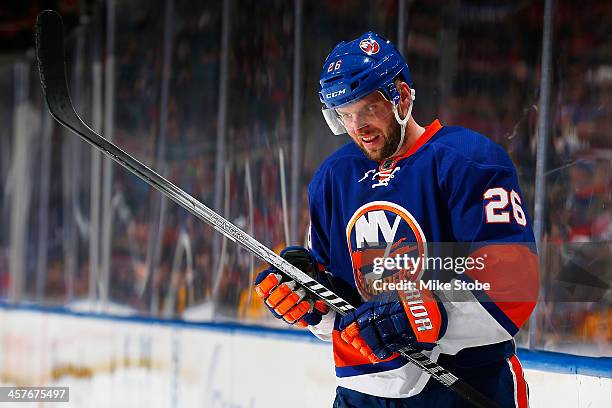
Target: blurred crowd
473 66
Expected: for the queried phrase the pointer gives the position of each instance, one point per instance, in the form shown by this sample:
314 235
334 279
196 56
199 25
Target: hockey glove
394 320
285 298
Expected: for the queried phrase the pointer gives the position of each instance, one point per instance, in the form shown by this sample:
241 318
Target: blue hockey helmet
357 68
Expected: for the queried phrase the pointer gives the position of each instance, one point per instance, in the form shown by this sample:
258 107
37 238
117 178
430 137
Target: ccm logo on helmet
335 93
369 46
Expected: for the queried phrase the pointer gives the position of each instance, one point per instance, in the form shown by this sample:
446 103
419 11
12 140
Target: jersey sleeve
488 216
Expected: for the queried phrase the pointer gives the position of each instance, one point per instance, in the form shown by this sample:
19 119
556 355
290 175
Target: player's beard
392 139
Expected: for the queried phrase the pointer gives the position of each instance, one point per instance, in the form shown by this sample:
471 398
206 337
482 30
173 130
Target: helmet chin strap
403 122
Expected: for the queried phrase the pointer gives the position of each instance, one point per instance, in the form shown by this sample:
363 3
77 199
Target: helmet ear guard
392 93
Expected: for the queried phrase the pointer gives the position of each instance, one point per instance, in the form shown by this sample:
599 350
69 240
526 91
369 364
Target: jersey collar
430 130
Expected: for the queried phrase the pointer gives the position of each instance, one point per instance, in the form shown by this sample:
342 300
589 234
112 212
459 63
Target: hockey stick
50 54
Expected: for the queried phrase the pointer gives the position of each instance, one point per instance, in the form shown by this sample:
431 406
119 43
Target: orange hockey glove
285 298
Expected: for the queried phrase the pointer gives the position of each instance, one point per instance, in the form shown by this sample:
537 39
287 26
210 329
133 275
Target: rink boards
133 362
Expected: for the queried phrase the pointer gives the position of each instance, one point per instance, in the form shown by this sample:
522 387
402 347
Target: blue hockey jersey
453 186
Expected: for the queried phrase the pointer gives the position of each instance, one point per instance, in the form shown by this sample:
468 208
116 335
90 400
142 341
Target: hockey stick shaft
51 65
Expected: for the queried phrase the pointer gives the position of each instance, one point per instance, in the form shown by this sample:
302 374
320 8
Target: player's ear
405 98
405 92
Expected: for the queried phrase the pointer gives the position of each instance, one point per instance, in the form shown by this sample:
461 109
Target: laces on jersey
383 177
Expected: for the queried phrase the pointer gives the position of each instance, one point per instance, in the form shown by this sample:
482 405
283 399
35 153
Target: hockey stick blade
51 65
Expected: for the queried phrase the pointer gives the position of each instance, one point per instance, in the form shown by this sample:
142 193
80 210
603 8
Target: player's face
371 124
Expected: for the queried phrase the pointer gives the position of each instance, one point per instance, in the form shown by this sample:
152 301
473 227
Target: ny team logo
369 46
382 230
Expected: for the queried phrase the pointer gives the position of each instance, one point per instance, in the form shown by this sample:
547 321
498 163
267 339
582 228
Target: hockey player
398 189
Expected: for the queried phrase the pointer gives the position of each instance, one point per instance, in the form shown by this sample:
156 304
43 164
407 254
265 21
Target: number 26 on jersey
496 208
